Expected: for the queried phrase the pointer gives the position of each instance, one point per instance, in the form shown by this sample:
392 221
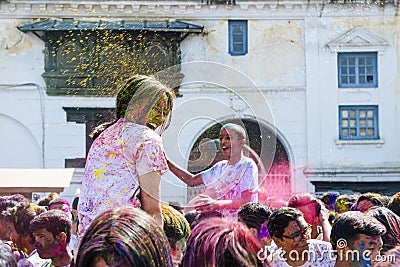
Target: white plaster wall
22 127
275 55
67 139
324 97
21 54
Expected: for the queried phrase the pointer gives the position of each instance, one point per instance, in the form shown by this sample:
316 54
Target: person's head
289 229
177 230
309 205
223 243
355 231
7 230
6 256
368 200
178 206
146 101
60 204
44 201
191 216
344 203
394 204
232 139
74 212
52 232
124 236
255 216
392 224
20 217
329 200
204 215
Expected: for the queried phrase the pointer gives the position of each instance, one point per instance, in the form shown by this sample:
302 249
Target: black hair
280 219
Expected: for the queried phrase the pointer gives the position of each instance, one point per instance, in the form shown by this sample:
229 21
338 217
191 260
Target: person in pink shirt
126 160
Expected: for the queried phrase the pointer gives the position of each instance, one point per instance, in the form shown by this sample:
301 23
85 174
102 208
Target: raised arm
185 176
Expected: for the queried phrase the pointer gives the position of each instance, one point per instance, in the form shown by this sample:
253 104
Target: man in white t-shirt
229 183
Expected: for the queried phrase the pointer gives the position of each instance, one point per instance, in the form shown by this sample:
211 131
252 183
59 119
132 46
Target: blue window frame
357 70
358 122
237 37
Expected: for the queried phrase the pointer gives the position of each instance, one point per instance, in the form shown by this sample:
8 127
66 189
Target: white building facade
316 84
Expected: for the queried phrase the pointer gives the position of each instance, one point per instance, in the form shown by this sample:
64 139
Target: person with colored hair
394 204
126 160
329 200
356 239
255 216
345 203
177 230
8 233
293 243
60 204
229 183
52 232
219 242
391 222
314 213
20 217
124 237
368 200
44 201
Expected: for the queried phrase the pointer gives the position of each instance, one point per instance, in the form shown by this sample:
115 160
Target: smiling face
159 112
231 143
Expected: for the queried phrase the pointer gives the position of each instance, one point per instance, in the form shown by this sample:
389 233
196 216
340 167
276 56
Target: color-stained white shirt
320 255
224 181
116 159
33 260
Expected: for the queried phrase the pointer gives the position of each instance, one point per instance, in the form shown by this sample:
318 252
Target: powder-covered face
295 236
368 248
46 244
159 112
364 205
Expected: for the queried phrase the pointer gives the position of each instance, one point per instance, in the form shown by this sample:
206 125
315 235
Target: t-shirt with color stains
116 159
227 182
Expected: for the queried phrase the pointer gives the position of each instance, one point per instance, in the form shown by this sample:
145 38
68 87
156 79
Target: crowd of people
118 218
334 230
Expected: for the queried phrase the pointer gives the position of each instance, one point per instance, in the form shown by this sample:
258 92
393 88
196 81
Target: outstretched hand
204 203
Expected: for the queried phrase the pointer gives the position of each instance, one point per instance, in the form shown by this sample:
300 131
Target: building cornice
179 9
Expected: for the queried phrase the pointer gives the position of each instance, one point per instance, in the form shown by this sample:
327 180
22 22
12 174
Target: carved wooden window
97 62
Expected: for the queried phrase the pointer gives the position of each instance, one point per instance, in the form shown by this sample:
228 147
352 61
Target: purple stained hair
220 242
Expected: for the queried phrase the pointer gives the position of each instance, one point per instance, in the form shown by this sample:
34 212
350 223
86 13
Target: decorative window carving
95 57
